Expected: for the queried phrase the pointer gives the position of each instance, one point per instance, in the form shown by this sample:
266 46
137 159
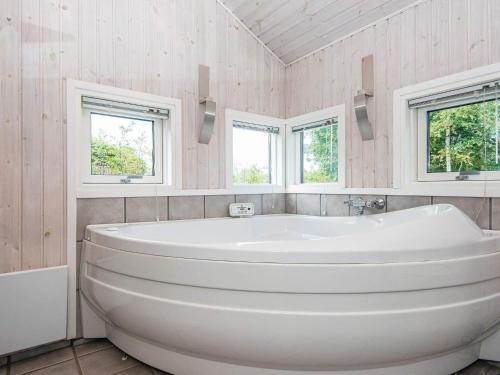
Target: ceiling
294 28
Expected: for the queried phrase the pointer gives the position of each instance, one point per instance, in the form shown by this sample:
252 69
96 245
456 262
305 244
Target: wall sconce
361 99
208 107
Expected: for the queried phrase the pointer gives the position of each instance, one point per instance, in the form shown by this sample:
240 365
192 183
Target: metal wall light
361 99
208 107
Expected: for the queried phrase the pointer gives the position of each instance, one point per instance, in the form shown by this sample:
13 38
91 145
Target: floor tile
65 368
92 347
106 362
138 370
41 361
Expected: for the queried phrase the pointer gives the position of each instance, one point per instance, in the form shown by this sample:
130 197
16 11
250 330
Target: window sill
144 190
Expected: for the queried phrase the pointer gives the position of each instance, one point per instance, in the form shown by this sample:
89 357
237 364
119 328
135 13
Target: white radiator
33 308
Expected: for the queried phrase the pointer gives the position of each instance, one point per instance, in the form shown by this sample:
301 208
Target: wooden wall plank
494 31
380 124
459 36
33 136
440 37
355 156
69 70
105 42
423 60
10 136
431 39
88 40
153 46
121 45
368 147
478 33
53 150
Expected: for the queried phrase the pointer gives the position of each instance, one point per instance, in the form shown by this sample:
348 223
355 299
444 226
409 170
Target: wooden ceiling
294 28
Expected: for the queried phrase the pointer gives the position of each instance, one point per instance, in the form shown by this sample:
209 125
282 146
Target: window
254 149
254 153
458 134
317 145
122 138
316 152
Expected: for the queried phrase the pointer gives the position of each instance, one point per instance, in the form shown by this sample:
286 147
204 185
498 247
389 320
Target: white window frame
86 149
278 183
422 141
293 157
168 143
410 147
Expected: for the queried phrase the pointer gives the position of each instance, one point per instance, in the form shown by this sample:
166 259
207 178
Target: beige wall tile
308 204
256 199
403 202
187 207
141 209
291 203
475 208
98 211
273 204
334 205
218 205
495 213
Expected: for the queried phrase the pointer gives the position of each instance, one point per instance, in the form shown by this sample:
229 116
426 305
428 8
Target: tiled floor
100 357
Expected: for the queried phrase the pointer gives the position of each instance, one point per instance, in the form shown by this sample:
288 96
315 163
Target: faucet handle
378 203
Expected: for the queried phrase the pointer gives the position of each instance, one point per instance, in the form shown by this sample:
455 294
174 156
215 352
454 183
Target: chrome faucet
359 204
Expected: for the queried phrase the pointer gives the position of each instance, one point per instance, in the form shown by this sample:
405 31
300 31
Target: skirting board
33 308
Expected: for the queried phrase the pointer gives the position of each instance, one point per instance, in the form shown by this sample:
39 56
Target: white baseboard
33 308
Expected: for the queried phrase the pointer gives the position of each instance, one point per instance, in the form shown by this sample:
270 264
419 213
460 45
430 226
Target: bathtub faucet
359 204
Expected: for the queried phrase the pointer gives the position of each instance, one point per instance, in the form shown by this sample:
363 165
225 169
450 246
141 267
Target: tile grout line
95 351
45 367
78 366
128 368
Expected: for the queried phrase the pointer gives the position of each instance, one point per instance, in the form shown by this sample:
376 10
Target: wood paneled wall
432 39
146 45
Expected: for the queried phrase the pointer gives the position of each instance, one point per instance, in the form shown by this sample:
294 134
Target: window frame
278 178
423 148
168 143
294 157
405 138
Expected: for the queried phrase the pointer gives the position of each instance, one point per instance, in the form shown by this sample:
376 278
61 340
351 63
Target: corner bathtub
410 292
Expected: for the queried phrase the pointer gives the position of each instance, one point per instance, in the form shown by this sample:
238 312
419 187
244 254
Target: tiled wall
485 211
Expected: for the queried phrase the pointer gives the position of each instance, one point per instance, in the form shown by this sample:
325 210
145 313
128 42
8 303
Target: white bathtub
409 292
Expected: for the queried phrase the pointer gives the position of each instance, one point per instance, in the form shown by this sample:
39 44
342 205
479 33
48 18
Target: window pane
463 138
319 154
251 156
122 146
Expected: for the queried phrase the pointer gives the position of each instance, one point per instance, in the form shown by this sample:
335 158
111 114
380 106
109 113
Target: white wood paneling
292 29
428 40
153 46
